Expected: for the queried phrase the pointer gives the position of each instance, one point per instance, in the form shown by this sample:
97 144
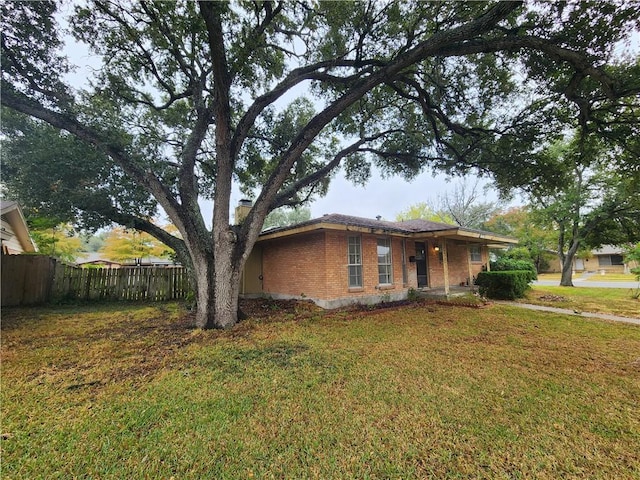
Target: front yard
613 301
130 391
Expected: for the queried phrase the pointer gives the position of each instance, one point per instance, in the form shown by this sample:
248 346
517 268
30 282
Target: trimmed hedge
505 285
510 265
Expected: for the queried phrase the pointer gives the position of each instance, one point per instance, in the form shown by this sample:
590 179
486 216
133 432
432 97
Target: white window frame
354 261
385 269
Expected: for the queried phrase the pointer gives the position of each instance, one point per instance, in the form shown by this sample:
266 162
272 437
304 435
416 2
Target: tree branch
145 178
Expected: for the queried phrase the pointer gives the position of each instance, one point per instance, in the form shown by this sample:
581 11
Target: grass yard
420 391
596 277
612 277
614 301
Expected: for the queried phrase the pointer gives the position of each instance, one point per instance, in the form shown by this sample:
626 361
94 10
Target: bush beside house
505 264
504 285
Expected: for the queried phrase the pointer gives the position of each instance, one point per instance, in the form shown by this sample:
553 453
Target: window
354 262
475 253
384 261
609 260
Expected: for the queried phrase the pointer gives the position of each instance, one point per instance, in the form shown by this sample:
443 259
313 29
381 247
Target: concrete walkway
566 311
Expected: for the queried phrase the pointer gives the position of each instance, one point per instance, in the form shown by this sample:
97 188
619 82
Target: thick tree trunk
205 295
567 271
217 277
226 289
217 293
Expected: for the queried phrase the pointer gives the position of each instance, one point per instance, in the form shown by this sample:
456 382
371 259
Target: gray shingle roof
407 226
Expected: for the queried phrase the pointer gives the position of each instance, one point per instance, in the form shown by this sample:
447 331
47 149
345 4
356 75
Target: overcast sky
384 197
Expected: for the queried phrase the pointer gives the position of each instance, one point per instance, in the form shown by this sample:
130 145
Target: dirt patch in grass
552 298
269 308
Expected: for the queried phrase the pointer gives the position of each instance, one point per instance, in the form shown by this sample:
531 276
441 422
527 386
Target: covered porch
447 262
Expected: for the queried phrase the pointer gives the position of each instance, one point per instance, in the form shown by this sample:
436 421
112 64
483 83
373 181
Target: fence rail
29 280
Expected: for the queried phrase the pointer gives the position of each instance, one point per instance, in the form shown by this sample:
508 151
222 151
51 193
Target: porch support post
445 266
470 284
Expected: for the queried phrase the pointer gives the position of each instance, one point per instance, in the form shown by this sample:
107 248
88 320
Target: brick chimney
242 210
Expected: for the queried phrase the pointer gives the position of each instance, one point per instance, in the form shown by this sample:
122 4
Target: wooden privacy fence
29 280
26 279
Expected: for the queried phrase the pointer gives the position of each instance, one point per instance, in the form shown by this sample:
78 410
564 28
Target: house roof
608 250
406 228
12 214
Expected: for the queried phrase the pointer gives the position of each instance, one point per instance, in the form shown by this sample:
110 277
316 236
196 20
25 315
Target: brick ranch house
336 260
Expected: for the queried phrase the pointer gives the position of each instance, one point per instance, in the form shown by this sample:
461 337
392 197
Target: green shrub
504 285
510 265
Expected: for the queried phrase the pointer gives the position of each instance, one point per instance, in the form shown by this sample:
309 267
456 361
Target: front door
421 264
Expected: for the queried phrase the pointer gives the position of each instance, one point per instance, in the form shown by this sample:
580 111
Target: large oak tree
192 97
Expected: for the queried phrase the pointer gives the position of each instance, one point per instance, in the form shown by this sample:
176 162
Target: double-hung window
384 261
354 265
475 253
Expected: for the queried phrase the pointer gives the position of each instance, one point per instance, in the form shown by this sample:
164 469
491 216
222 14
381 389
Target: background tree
191 98
465 205
424 211
461 206
533 234
591 203
632 257
93 243
56 240
122 245
283 217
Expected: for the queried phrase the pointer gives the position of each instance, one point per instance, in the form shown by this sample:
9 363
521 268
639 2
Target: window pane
384 261
604 260
355 276
354 259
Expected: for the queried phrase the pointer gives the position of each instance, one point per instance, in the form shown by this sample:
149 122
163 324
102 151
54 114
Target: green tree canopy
194 97
283 217
121 245
591 204
58 241
535 235
424 211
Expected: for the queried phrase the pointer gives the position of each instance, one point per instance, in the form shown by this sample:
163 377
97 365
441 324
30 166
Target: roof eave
13 214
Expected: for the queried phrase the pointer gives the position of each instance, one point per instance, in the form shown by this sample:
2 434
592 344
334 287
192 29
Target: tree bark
566 261
567 273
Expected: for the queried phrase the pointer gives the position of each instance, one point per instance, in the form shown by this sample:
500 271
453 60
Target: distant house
606 259
14 232
338 259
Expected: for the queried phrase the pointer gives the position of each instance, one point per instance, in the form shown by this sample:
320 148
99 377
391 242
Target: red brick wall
458 263
295 266
314 265
337 271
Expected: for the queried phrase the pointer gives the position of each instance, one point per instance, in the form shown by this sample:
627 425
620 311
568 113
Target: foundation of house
439 292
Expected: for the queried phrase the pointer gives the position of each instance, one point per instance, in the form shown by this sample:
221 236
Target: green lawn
596 277
614 301
421 391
